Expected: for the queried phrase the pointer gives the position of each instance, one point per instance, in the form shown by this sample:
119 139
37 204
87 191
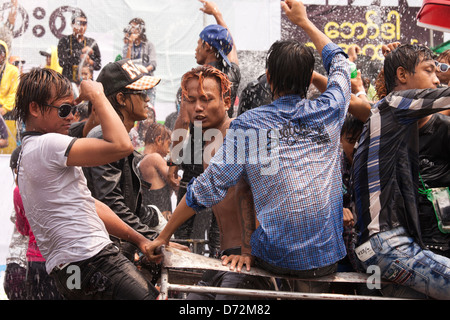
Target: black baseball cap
124 74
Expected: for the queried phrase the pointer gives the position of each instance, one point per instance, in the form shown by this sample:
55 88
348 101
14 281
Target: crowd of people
316 174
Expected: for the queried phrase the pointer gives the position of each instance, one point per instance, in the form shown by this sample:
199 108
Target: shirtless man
206 97
287 241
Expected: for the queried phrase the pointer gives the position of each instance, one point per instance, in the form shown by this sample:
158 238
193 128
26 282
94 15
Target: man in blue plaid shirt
288 152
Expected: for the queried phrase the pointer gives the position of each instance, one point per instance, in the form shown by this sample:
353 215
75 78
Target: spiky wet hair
202 72
407 56
40 85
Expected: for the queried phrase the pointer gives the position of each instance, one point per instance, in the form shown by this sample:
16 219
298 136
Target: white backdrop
173 27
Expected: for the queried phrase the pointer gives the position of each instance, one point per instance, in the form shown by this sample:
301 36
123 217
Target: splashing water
83 61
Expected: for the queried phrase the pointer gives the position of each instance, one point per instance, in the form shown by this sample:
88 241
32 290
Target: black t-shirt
434 165
256 93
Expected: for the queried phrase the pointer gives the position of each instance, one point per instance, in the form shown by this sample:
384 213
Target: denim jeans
402 261
108 275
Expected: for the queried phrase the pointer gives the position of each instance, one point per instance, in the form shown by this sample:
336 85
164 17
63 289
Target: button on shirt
288 152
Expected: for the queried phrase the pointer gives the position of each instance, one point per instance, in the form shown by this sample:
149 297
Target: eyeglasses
18 62
142 93
64 110
81 23
441 67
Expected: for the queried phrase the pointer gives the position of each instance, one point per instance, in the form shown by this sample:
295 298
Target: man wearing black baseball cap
116 184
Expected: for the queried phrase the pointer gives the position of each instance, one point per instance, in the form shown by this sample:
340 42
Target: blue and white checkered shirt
288 152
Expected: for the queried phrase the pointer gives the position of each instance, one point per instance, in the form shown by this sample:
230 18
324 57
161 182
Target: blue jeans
402 261
108 275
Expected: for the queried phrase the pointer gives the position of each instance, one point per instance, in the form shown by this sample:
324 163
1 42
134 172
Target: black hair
40 85
352 127
84 110
78 14
444 56
112 98
15 158
156 130
141 23
290 66
407 56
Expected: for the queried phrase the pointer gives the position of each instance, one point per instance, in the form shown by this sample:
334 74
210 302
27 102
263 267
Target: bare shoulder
152 159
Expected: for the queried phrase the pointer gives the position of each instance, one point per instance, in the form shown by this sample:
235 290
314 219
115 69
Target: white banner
172 26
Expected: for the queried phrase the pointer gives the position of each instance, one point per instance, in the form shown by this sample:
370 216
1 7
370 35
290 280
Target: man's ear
227 102
208 47
402 75
34 109
120 97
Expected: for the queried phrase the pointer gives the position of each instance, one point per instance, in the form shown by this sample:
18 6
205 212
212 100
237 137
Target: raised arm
296 12
116 143
211 8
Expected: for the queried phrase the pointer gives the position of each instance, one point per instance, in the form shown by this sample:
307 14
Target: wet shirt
386 161
256 93
294 174
57 202
69 53
434 166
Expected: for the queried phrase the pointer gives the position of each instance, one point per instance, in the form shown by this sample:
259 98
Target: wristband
171 164
360 93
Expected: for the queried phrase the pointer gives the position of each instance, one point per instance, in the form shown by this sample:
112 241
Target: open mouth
200 118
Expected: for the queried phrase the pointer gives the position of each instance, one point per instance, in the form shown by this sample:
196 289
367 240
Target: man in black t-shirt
76 49
434 168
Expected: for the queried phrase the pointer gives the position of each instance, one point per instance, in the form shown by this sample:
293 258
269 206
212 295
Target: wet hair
141 23
290 66
352 127
40 85
15 158
78 14
202 72
444 56
156 130
117 106
407 56
84 110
